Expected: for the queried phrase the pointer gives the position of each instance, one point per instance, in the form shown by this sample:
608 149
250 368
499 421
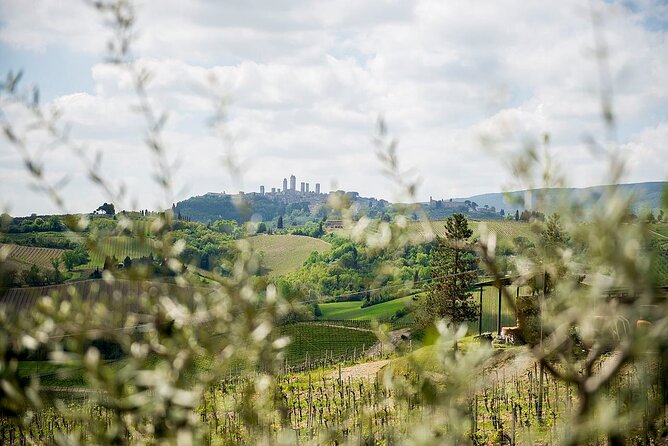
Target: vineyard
511 402
315 342
22 299
119 247
25 256
659 238
505 230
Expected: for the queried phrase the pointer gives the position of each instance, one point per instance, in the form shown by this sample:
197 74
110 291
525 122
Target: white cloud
305 82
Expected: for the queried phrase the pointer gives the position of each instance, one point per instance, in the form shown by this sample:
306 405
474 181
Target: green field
319 341
285 253
352 310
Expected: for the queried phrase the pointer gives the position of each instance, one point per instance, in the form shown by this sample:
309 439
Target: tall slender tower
317 188
293 182
285 184
307 186
261 190
303 186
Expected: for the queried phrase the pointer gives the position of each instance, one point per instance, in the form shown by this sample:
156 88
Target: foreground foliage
602 344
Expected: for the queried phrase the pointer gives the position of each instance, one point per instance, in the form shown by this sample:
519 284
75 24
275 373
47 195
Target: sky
461 85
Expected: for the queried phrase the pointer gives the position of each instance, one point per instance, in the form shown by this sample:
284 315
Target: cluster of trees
33 276
528 215
14 225
650 218
106 208
141 267
212 207
75 257
39 239
350 272
310 229
209 246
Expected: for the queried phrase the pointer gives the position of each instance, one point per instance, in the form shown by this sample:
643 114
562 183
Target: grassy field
25 256
285 253
352 310
490 301
319 340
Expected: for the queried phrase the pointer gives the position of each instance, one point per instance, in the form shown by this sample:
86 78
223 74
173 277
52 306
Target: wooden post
540 394
480 314
512 437
498 316
309 422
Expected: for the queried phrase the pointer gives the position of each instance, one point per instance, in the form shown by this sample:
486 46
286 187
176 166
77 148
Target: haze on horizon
304 85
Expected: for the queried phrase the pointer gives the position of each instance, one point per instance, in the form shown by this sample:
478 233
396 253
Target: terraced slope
24 257
120 247
123 293
505 230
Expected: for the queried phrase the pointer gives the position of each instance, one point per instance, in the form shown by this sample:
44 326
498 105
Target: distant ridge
648 195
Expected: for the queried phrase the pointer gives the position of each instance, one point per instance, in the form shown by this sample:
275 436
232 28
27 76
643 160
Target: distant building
303 186
334 224
446 203
317 188
285 184
293 182
306 187
261 190
273 190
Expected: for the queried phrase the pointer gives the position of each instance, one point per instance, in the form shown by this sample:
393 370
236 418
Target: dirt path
366 370
347 327
514 361
395 337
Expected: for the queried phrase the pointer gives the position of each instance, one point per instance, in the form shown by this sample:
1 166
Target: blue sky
305 82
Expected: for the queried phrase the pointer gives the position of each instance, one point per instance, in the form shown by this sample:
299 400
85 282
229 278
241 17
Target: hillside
119 246
23 257
352 310
648 195
285 253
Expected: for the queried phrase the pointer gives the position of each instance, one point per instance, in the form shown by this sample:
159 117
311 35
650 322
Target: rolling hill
648 195
23 257
285 253
352 310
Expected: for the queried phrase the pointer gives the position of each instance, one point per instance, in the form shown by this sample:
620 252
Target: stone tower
293 182
285 184
317 188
